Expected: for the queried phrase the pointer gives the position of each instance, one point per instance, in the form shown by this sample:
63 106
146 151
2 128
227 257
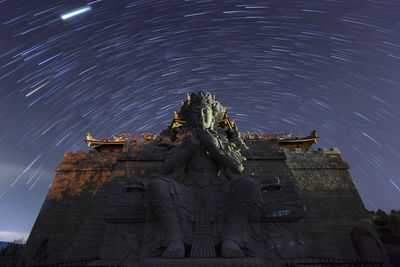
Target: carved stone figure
202 203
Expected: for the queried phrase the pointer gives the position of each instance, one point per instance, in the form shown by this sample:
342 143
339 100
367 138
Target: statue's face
202 116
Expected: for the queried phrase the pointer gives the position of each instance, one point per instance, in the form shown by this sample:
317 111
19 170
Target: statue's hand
194 138
206 139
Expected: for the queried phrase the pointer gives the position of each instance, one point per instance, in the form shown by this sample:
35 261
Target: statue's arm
179 155
231 165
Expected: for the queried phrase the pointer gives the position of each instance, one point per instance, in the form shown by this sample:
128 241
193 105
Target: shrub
14 248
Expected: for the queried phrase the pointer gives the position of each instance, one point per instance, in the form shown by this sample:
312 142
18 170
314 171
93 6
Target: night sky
124 67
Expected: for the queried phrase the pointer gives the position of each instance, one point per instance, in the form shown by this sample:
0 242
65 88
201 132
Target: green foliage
387 225
14 248
385 230
394 220
381 218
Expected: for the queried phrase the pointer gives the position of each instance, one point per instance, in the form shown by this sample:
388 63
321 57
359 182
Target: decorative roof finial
225 113
188 98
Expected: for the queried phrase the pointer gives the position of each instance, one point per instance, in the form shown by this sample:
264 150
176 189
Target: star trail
124 67
74 13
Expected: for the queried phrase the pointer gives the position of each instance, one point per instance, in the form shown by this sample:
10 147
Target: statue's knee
247 187
158 188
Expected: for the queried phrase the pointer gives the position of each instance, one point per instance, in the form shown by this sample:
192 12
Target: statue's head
201 111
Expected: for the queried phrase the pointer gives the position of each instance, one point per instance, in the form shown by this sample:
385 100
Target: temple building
201 193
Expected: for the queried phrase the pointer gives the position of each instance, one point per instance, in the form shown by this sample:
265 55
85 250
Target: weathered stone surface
334 207
201 194
95 208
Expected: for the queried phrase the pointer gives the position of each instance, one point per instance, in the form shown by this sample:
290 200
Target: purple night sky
124 67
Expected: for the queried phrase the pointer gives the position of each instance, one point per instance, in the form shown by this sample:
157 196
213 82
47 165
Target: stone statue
202 203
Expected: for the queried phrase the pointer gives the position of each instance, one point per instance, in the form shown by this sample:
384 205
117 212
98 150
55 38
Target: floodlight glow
76 12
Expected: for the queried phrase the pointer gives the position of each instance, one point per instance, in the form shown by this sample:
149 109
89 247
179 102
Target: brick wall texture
95 207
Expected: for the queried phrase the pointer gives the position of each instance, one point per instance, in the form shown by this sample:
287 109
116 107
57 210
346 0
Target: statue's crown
200 98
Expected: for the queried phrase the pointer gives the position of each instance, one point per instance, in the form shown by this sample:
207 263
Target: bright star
76 12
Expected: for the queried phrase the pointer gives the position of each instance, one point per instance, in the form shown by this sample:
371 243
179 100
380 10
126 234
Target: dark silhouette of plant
14 248
388 229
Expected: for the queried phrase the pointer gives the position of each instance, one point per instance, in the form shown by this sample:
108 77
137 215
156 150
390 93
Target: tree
14 248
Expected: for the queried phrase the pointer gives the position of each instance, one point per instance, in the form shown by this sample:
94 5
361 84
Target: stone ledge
322 150
243 262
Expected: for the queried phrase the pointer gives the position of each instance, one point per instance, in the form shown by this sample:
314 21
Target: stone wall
95 208
79 177
334 207
114 228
